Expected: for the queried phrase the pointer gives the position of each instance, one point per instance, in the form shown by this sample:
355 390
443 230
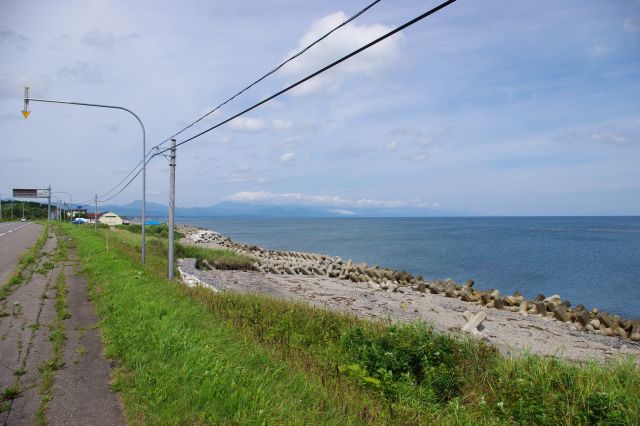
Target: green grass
180 365
157 252
192 356
219 258
26 264
161 231
57 336
45 267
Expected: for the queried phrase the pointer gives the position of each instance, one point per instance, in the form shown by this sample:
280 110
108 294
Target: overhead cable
125 178
90 200
318 72
270 72
128 183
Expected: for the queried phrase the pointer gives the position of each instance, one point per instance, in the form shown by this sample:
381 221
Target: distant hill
239 210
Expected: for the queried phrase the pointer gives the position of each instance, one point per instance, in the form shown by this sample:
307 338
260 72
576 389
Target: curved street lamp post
26 112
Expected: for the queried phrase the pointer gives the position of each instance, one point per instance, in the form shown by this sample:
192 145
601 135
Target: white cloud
606 134
83 72
287 157
243 174
14 38
343 212
418 141
248 124
289 143
223 140
105 41
347 39
392 146
264 197
598 50
631 25
252 124
421 138
359 150
418 156
59 42
281 124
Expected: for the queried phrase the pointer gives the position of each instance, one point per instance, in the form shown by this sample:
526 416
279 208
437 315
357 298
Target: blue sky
493 107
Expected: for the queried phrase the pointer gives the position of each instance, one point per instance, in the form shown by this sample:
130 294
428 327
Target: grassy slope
189 355
180 364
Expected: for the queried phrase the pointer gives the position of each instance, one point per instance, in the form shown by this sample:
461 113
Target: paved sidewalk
81 393
24 342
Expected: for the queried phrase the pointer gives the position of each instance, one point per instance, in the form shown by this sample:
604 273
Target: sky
488 108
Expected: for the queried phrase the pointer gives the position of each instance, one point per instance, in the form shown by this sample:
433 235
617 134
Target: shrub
408 355
161 231
219 258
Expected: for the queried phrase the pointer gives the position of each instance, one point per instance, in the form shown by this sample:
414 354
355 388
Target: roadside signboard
30 193
25 193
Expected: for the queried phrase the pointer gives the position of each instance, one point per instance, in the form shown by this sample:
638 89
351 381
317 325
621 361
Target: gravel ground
511 332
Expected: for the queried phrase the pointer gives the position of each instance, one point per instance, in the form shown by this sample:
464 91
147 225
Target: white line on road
15 229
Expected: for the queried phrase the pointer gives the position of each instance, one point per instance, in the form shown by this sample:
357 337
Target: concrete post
172 206
49 205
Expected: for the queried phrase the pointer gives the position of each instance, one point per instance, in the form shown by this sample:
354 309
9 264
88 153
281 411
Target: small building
109 218
91 217
72 214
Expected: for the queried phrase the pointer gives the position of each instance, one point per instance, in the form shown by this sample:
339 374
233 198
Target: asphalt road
15 239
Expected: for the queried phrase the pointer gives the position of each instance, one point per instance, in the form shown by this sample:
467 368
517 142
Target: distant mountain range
250 210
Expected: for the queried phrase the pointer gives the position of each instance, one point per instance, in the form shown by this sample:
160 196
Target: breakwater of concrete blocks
385 279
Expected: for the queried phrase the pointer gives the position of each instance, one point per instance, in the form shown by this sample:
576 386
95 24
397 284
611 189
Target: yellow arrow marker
26 113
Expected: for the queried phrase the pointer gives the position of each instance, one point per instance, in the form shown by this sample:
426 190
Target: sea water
594 261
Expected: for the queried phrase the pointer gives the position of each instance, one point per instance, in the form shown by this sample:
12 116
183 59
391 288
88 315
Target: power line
298 54
320 71
125 178
288 88
85 202
270 72
128 183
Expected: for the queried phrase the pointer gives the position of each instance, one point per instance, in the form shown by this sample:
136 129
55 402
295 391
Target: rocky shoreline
387 280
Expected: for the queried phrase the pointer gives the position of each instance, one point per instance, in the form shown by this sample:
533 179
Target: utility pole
0 207
172 206
65 210
49 206
95 223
